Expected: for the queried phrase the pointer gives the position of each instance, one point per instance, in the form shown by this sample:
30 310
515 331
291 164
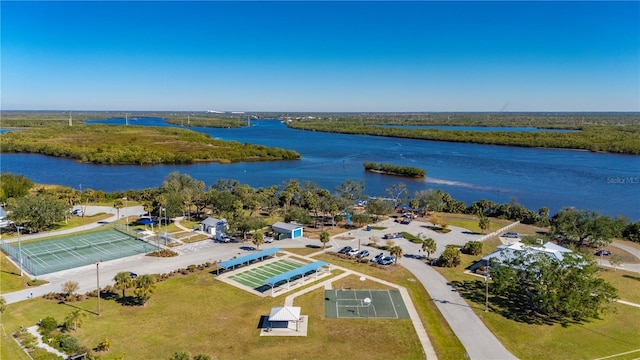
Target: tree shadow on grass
514 308
637 278
129 301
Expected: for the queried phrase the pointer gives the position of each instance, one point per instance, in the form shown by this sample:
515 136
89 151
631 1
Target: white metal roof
285 313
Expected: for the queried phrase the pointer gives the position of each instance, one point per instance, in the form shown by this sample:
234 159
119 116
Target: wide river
606 183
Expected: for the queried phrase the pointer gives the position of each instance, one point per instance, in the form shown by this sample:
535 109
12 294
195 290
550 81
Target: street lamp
20 248
486 291
165 225
126 212
98 283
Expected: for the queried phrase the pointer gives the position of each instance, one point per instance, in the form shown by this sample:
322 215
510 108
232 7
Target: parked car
77 212
345 250
387 260
225 239
603 252
133 275
268 239
352 252
511 235
362 254
377 257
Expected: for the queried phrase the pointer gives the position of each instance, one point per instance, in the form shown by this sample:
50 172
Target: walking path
476 338
33 330
427 347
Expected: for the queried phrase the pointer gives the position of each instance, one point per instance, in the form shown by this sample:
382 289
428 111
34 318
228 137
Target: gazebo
281 316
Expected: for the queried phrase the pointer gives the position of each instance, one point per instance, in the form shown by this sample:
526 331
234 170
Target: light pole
19 248
486 290
98 283
165 225
126 213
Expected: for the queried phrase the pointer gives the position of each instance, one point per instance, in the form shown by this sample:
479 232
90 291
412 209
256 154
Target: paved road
476 338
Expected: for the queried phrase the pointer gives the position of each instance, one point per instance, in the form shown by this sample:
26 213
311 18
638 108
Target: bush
163 253
472 248
47 325
66 343
450 257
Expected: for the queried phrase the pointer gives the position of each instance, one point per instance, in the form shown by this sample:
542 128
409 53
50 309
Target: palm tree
396 252
145 286
123 281
429 246
258 239
324 238
75 317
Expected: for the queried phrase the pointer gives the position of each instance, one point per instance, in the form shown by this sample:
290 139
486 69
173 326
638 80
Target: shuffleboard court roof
291 273
246 258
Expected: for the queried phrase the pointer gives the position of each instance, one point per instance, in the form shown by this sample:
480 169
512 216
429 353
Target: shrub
48 324
104 345
450 257
472 248
191 268
66 343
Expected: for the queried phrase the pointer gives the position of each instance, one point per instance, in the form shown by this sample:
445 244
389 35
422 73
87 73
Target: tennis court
47 256
382 304
255 277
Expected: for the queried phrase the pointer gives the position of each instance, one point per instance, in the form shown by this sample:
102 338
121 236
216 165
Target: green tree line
394 169
620 139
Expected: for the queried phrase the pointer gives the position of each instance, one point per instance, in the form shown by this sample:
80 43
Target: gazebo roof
285 313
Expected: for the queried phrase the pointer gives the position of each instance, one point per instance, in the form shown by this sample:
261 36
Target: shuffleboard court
47 256
255 277
382 304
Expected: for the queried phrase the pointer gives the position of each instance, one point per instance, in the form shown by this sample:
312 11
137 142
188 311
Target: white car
353 252
268 239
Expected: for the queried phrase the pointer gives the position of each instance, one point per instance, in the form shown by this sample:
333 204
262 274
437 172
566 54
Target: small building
281 316
4 222
286 230
552 250
216 227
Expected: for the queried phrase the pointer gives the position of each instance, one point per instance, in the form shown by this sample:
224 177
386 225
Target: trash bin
368 227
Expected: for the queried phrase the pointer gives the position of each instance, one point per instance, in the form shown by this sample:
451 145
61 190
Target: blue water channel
606 183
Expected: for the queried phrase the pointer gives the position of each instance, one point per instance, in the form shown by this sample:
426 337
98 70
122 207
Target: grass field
10 279
470 222
615 333
198 314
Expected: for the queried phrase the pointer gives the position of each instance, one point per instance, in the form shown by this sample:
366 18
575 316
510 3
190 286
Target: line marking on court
392 303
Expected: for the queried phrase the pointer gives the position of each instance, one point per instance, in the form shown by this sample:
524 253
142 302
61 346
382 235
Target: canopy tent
293 273
248 258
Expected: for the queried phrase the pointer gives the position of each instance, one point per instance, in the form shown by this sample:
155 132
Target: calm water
478 128
605 183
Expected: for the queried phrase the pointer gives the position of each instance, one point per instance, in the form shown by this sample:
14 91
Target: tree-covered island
144 145
394 169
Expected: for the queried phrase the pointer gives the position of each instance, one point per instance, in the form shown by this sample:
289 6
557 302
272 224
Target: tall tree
38 212
145 286
123 281
582 228
258 239
324 238
396 251
484 223
351 190
398 192
542 286
429 246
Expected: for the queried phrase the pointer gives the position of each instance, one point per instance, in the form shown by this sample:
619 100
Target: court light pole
126 213
165 225
20 248
98 283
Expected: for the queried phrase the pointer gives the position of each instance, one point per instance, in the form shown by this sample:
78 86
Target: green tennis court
382 304
255 277
47 256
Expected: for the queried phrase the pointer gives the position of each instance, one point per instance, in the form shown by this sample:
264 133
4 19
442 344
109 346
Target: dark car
133 275
603 252
345 250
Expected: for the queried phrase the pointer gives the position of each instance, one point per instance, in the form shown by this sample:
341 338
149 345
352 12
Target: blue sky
321 56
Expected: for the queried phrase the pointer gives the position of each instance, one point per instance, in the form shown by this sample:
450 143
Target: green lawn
10 279
199 314
470 222
617 332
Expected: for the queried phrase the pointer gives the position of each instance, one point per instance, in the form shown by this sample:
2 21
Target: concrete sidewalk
476 338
